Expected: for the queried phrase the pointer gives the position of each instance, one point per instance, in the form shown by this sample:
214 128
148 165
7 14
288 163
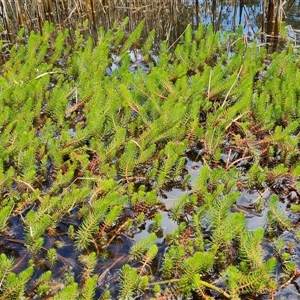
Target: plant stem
208 285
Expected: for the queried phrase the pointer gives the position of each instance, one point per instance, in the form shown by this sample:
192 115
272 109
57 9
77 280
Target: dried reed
168 17
31 14
273 16
271 21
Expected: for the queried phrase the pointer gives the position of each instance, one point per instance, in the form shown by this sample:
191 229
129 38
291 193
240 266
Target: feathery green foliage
258 280
131 284
12 286
137 250
277 215
4 216
250 247
94 136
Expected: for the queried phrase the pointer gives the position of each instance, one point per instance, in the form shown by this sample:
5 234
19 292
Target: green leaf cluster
90 138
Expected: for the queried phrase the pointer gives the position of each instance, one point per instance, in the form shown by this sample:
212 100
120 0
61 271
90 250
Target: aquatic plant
92 137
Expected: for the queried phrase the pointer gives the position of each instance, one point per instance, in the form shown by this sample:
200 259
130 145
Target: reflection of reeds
31 14
168 17
272 19
273 16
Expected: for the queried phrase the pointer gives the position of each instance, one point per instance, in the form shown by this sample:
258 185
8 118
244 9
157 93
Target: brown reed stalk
263 20
166 16
40 15
278 18
104 3
6 20
11 11
55 14
48 9
18 10
93 13
270 19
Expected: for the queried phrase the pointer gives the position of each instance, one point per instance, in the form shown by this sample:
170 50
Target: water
169 17
170 20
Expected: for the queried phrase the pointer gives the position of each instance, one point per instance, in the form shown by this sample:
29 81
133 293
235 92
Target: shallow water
169 18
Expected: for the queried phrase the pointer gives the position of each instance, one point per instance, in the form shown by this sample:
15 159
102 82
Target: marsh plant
92 135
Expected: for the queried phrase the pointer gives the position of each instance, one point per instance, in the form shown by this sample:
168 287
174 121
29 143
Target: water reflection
168 17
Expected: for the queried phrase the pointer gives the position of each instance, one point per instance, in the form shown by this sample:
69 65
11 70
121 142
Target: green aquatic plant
137 250
131 285
250 248
4 216
276 215
257 280
12 286
92 138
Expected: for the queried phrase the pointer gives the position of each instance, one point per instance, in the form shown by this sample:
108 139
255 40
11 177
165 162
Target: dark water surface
168 17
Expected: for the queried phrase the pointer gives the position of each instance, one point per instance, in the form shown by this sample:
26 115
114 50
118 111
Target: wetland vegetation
96 136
